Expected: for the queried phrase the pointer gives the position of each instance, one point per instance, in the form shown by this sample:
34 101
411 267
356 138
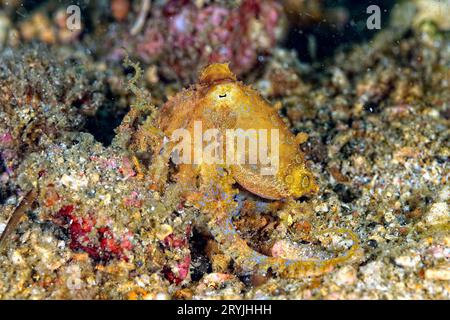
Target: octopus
220 102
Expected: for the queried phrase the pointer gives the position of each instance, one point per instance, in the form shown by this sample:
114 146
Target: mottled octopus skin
218 100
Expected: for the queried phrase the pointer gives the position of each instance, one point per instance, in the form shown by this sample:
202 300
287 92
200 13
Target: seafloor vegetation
79 105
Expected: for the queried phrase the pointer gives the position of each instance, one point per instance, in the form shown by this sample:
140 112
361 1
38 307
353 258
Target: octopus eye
222 95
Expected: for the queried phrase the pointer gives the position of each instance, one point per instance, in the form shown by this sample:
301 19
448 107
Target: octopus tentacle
232 244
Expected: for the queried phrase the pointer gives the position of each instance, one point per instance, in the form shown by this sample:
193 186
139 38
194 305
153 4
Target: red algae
98 242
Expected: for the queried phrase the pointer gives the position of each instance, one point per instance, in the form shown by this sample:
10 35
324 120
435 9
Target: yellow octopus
221 102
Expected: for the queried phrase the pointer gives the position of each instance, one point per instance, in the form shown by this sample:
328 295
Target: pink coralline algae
180 271
6 139
184 37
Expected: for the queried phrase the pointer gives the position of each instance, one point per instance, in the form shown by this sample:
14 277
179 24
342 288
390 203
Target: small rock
408 261
160 296
321 208
437 274
345 276
17 258
372 274
74 183
438 214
